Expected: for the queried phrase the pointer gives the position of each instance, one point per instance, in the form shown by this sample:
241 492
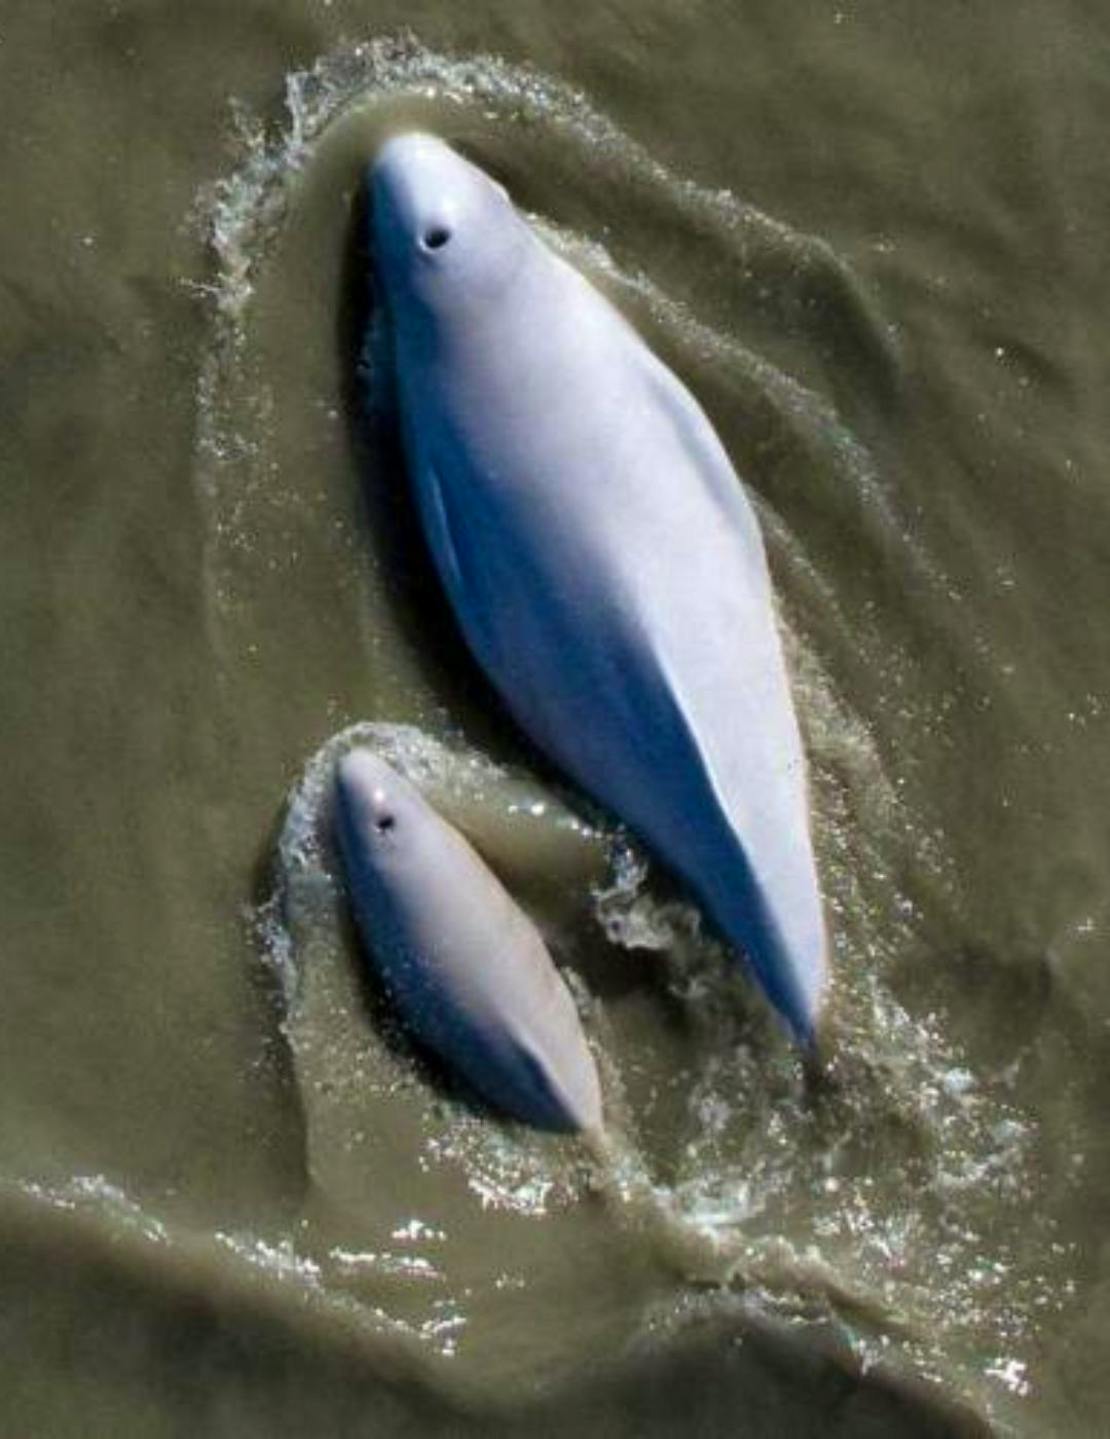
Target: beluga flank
602 559
463 964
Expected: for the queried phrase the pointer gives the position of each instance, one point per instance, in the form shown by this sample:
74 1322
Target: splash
245 210
762 1187
243 214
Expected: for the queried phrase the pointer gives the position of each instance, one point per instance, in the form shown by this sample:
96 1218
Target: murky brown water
231 1202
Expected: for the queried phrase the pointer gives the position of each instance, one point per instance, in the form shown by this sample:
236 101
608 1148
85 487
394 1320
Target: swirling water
913 1215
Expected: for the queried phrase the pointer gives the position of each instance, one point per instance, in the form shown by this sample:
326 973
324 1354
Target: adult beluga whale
601 557
464 965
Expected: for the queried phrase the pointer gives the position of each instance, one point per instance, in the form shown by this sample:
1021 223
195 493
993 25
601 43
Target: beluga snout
414 182
442 230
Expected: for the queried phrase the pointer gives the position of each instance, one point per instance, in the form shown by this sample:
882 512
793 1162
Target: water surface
231 1200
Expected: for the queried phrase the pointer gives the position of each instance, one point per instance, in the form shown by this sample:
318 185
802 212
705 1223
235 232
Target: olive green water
231 1202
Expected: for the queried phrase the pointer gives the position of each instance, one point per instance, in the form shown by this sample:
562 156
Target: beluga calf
464 965
604 563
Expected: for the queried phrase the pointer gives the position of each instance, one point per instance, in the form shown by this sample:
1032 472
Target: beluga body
466 969
604 563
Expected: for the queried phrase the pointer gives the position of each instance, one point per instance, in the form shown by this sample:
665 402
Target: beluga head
445 236
382 819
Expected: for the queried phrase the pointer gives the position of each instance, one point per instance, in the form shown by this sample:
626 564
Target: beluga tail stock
604 563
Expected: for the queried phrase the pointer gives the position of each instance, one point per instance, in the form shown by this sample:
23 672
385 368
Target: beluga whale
602 559
464 966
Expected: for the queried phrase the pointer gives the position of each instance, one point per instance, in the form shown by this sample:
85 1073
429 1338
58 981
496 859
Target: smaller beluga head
445 236
383 819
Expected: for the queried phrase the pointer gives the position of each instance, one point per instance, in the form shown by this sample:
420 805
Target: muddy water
232 1200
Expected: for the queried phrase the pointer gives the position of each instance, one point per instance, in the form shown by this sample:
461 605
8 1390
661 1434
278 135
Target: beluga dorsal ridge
604 563
464 965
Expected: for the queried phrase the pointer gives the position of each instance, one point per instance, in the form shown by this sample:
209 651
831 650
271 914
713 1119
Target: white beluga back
602 559
465 967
